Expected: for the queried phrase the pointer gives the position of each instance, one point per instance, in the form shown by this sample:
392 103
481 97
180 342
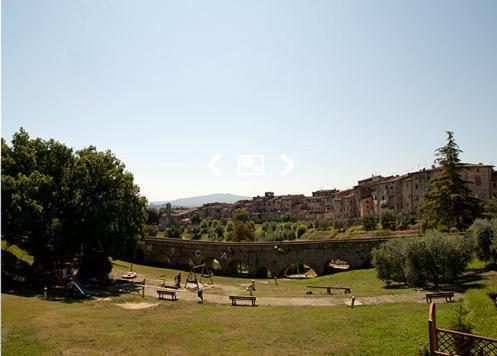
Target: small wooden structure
234 298
447 295
328 289
451 342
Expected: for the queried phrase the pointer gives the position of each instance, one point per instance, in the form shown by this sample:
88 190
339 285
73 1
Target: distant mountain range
193 202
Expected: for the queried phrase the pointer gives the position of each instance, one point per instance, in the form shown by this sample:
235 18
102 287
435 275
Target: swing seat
191 288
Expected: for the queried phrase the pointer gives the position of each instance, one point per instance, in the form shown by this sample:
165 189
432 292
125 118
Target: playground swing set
192 282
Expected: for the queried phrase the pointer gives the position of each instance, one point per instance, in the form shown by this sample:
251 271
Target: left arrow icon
212 164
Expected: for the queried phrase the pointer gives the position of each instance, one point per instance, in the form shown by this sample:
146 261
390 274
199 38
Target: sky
345 89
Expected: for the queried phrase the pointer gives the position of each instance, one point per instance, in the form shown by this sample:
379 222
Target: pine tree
449 203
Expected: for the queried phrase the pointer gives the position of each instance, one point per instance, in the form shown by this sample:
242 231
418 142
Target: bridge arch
264 272
213 264
300 268
162 260
336 265
238 267
185 262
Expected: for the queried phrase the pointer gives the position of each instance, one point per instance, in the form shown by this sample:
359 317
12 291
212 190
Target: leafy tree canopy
58 203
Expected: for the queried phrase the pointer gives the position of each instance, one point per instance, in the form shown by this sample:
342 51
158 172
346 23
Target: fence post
432 328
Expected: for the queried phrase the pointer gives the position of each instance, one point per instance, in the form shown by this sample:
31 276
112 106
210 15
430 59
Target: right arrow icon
289 164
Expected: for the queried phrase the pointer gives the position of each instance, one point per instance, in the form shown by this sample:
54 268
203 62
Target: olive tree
433 258
484 235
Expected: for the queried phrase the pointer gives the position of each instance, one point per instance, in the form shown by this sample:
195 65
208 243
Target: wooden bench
328 289
163 292
234 298
447 295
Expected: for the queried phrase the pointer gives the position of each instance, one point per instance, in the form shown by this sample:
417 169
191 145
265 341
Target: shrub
173 232
228 230
339 224
301 229
243 231
195 219
322 225
286 218
387 219
383 233
460 320
388 260
241 215
195 232
369 222
484 235
219 231
432 258
404 220
490 209
150 230
204 225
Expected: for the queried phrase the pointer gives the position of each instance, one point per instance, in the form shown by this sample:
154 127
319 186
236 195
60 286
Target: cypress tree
449 203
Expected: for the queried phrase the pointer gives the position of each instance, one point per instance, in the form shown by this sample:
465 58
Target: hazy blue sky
344 88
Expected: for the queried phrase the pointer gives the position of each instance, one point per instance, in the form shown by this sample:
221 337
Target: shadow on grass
472 280
58 294
468 281
397 286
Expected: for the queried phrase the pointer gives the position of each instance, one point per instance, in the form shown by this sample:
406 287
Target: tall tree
58 204
449 203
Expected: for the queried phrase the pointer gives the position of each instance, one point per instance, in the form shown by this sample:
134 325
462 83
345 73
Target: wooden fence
450 342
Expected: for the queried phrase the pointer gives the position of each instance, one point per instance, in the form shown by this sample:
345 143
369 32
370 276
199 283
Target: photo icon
251 165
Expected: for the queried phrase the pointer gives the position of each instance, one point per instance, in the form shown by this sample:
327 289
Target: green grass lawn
31 325
34 326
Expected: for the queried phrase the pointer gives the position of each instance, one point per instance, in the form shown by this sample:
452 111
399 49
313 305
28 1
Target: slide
78 291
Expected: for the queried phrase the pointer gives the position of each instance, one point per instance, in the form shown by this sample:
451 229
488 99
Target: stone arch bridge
258 258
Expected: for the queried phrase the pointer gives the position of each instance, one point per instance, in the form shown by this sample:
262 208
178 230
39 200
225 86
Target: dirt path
219 294
311 300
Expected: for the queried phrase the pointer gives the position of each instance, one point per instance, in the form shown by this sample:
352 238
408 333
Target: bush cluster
433 258
484 235
388 221
273 231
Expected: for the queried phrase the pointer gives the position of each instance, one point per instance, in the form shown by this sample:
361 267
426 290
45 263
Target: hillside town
400 193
